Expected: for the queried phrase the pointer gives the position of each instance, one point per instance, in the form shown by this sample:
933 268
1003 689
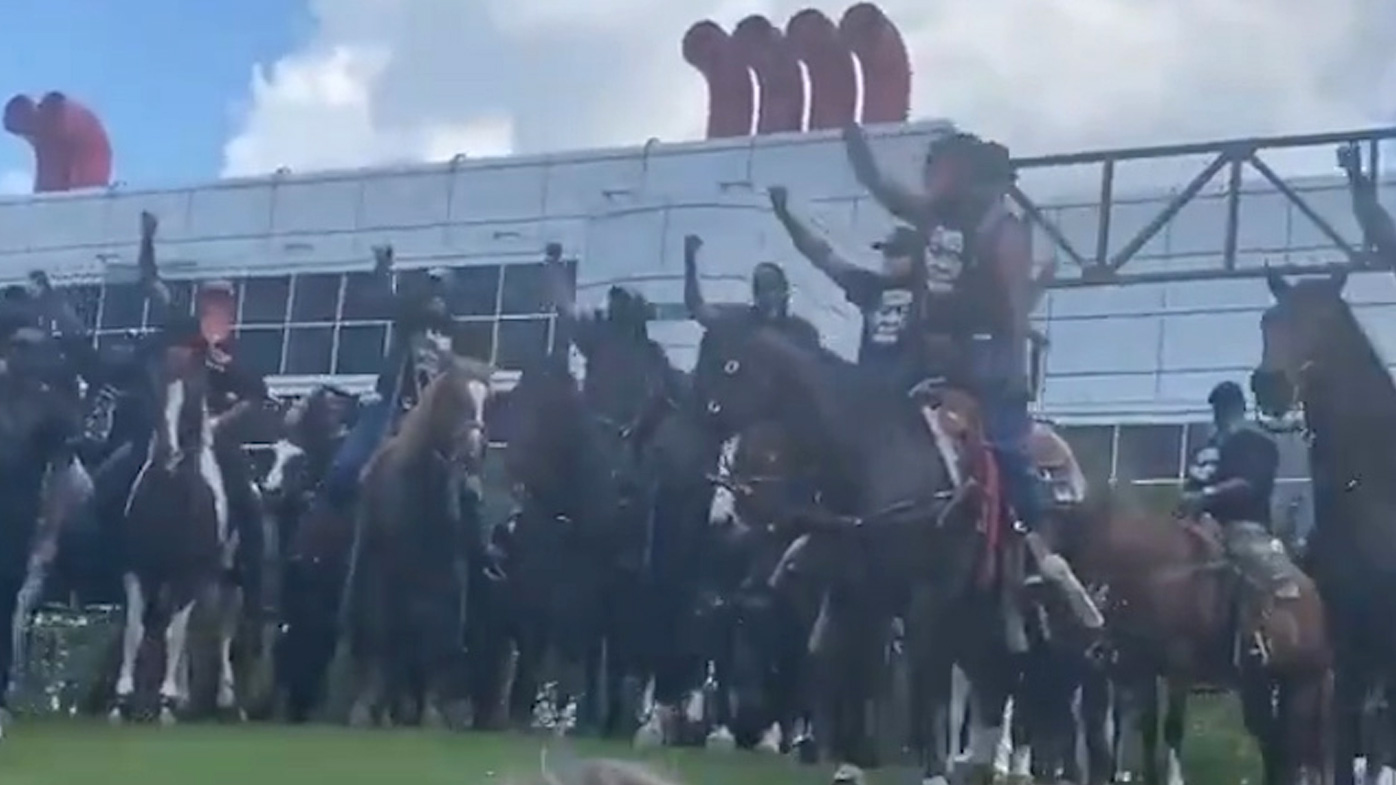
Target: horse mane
1363 368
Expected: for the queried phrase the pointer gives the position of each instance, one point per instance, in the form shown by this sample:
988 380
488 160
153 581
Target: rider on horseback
422 330
980 251
1231 479
770 297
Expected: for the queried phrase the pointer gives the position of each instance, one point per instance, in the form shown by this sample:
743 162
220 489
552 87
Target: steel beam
1101 267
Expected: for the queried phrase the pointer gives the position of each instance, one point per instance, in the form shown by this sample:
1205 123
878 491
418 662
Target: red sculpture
731 99
71 148
826 93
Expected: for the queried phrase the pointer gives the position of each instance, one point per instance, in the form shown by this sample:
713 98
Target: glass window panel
525 289
181 297
310 351
363 298
260 350
498 417
315 298
1092 445
84 301
475 290
122 306
264 299
1150 452
360 349
475 338
521 341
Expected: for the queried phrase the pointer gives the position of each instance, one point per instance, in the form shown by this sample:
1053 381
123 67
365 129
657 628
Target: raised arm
846 274
156 292
579 329
1378 229
699 309
897 198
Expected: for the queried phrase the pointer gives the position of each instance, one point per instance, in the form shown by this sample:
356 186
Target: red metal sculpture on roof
825 96
71 148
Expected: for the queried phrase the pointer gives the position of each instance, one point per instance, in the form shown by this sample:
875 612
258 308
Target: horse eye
731 367
714 407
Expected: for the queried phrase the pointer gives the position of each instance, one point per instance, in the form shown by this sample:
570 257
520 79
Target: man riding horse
1231 479
422 334
770 297
964 277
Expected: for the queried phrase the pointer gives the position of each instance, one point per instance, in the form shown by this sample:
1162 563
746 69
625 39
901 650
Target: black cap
1227 394
903 241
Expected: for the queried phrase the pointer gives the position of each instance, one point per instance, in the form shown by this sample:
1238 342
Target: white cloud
383 81
15 182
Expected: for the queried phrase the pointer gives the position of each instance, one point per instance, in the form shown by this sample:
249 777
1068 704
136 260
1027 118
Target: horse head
1303 321
450 419
544 416
742 374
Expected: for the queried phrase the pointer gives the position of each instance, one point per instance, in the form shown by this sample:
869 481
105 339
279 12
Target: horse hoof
649 736
167 717
806 751
432 718
720 740
939 779
360 717
848 774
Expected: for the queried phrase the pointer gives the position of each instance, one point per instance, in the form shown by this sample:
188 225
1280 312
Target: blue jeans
1007 426
342 478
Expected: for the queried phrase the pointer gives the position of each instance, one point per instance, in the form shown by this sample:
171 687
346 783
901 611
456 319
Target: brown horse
1175 609
1317 360
176 540
404 595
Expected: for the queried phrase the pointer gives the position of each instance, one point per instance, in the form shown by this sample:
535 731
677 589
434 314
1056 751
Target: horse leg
8 599
1095 726
1304 723
1174 726
1259 716
132 635
229 615
172 689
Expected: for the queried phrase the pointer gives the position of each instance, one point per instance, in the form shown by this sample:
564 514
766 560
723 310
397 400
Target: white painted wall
1141 352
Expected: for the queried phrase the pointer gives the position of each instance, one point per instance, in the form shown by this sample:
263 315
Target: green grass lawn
57 752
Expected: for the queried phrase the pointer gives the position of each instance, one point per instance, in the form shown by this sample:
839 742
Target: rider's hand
780 198
1191 504
691 245
553 253
383 257
149 223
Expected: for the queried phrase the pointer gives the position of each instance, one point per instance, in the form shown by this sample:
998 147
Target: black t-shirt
1245 454
890 315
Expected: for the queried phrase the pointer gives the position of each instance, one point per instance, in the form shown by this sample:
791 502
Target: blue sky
164 75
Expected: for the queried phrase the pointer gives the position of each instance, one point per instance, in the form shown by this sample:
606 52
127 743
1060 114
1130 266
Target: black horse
890 536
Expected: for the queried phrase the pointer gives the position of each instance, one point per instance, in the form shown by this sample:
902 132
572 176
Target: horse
1317 360
1174 609
417 518
892 533
177 544
34 429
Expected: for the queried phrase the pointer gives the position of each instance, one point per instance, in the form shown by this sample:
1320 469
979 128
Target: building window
85 300
1150 452
525 290
264 300
181 297
360 348
475 338
521 342
1093 446
310 351
261 349
475 290
315 298
123 306
499 416
364 298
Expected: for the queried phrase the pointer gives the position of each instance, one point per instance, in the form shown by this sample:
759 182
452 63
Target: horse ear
1338 280
1279 287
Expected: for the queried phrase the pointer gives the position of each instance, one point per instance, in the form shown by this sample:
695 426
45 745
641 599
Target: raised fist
691 245
383 256
149 223
1349 159
780 197
553 253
